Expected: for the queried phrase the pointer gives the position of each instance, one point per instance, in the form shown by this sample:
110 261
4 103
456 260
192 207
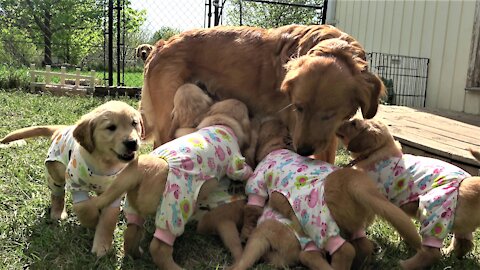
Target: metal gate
404 77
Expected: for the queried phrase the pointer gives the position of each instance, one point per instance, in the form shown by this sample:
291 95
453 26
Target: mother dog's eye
298 108
134 123
327 116
112 127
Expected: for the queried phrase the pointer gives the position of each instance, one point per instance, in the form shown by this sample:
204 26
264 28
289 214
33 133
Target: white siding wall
438 30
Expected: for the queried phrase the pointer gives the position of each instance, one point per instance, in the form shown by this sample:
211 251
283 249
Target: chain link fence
103 34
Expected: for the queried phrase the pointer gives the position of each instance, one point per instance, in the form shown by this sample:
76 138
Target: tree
165 32
68 29
270 15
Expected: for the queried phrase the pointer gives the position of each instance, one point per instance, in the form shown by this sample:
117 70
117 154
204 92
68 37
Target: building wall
438 30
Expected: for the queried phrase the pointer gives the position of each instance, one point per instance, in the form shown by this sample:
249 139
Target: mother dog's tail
371 198
30 132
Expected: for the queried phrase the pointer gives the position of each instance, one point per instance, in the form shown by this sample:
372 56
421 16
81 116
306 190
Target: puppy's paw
57 210
101 249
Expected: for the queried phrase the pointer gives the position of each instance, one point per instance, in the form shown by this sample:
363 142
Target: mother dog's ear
370 89
292 72
83 132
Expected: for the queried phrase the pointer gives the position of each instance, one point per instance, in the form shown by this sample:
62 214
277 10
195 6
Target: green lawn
29 240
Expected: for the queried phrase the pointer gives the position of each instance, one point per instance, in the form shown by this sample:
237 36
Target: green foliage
67 31
272 15
14 78
165 32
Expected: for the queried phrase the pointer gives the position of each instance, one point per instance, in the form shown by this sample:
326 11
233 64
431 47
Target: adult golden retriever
175 174
142 51
312 77
86 157
320 200
443 197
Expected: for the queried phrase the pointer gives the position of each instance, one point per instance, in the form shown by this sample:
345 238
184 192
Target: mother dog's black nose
131 145
305 150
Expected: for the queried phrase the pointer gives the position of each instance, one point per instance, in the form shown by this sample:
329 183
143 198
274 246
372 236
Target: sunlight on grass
29 240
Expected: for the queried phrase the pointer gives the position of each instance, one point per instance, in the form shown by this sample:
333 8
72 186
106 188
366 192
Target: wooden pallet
431 132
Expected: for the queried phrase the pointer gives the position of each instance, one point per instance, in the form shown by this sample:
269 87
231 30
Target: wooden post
63 70
92 80
77 77
48 74
32 77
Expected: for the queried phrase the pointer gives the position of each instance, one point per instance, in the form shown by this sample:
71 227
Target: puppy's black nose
305 150
131 145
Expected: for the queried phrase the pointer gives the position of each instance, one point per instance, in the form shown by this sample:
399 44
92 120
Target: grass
29 240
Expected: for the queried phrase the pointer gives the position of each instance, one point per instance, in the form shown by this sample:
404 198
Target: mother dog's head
325 87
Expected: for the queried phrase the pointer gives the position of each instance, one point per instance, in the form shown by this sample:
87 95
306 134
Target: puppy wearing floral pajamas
443 197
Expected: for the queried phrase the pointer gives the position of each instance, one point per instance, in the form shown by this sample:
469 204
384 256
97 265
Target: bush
14 78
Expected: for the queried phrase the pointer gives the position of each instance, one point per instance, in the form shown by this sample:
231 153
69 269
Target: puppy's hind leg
343 257
460 246
56 183
132 237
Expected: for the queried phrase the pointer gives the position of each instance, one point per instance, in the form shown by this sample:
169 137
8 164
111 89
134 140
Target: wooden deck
432 132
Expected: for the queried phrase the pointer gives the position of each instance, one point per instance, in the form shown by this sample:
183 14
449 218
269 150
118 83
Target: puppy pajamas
300 179
434 183
79 178
209 153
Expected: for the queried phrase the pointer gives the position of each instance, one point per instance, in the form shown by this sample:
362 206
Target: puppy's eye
112 127
134 123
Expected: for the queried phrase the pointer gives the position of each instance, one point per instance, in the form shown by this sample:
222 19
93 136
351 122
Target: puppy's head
364 137
143 51
272 135
325 87
112 131
232 113
190 104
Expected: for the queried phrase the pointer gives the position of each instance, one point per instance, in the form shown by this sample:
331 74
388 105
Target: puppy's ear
370 90
367 139
83 133
173 126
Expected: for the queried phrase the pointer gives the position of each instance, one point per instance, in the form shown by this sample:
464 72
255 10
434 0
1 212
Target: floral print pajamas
434 183
210 153
300 179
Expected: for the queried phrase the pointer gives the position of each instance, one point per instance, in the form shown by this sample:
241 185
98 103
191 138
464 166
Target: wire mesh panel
405 78
160 20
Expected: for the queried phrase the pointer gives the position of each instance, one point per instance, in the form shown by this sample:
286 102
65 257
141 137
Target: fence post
48 74
63 70
77 77
32 77
92 80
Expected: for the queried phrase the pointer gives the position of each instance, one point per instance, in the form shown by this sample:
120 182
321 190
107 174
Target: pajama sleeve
256 189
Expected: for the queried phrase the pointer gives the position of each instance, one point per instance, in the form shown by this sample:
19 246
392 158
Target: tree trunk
47 38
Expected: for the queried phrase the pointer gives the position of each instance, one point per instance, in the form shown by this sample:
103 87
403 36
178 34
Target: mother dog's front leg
161 84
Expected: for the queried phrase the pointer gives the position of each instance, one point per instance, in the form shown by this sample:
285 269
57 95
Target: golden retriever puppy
142 51
169 180
189 106
321 73
87 157
443 197
321 200
221 211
